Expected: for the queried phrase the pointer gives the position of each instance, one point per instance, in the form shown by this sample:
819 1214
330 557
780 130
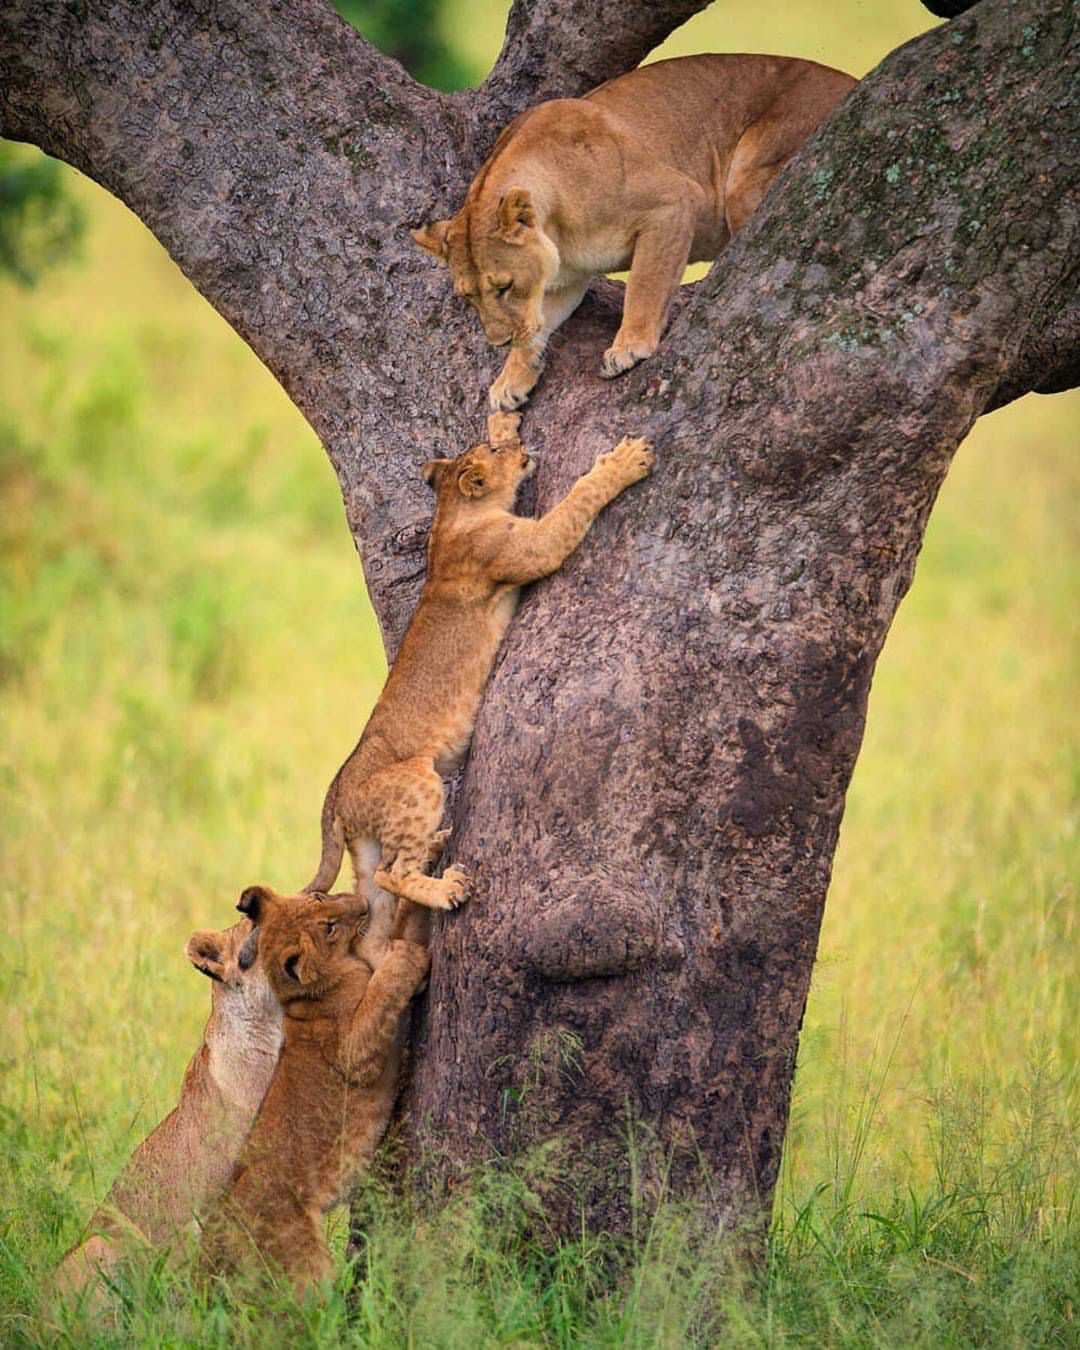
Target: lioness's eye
331 929
503 288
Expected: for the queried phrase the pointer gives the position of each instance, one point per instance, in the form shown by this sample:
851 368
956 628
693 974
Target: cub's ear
432 239
203 950
473 483
252 900
516 215
249 950
432 471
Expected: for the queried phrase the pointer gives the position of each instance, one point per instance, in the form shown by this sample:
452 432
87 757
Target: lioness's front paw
455 887
516 381
631 460
623 356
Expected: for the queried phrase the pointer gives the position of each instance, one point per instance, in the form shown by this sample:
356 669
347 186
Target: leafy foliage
41 222
411 32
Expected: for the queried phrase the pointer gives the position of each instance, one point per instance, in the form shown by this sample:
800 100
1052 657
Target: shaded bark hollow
652 802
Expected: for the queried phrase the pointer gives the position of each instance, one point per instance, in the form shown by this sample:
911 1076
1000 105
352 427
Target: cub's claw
455 887
632 459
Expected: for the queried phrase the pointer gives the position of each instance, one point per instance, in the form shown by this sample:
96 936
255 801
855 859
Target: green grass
186 654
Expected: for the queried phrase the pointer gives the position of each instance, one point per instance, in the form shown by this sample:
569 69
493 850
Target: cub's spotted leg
661 253
437 846
410 806
406 879
531 549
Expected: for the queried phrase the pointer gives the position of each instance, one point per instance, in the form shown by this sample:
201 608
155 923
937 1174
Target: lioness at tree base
652 170
189 1157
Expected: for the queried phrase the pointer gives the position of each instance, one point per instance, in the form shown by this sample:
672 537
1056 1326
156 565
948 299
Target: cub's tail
333 845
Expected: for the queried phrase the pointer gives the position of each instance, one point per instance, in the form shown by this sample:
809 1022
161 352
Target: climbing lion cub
189 1157
655 169
386 801
328 1103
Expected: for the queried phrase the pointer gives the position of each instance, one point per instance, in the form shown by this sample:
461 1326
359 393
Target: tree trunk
652 802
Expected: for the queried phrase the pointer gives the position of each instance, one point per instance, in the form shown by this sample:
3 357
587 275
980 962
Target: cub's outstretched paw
503 428
455 887
623 356
631 460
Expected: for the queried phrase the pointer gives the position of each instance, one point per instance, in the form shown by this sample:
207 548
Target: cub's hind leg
411 806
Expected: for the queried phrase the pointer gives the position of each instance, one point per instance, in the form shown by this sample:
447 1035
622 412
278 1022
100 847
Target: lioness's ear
252 901
516 215
203 950
431 471
472 483
432 238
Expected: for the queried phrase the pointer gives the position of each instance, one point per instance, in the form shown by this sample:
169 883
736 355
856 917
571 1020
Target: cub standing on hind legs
386 801
650 171
189 1157
331 1096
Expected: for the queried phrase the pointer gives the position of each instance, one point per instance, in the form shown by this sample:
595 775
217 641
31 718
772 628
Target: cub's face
485 473
305 944
501 267
230 959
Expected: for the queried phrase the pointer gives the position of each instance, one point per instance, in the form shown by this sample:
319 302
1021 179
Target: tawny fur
650 171
329 1101
386 802
187 1160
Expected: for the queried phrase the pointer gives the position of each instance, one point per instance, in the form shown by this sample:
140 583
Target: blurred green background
175 692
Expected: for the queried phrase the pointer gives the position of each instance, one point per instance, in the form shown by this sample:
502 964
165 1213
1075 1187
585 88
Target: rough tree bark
653 798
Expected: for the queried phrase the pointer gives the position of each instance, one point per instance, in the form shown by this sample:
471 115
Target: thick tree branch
563 48
280 159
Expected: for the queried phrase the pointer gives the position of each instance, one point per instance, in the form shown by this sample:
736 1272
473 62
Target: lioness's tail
333 844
